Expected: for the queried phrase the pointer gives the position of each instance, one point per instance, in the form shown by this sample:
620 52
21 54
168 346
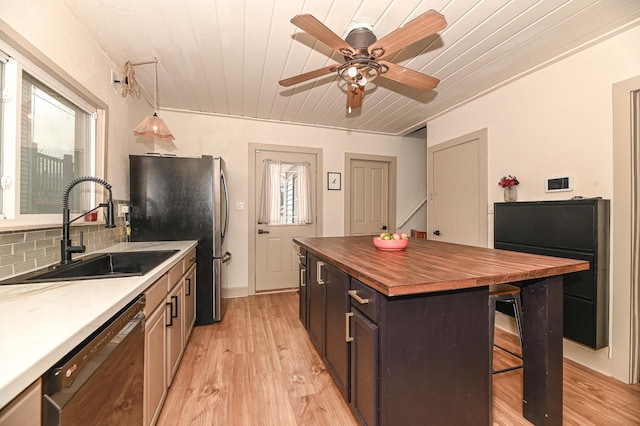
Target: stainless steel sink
97 266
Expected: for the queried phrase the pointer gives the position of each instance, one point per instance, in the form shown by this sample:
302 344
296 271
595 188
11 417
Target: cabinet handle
303 274
170 305
188 287
347 335
360 300
175 299
319 279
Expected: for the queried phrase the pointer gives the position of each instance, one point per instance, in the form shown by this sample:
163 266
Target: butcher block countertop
429 266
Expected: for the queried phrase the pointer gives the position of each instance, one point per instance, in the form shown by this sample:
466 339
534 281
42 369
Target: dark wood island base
405 334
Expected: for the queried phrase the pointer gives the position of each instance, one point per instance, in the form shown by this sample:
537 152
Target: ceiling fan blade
409 77
354 97
312 26
308 75
421 27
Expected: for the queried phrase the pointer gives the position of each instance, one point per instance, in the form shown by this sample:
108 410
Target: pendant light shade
152 127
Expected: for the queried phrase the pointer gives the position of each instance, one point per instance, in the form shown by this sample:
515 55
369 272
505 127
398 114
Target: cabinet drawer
176 273
364 298
156 294
189 260
579 322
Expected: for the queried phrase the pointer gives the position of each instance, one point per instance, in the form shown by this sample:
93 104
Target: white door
276 256
369 186
457 184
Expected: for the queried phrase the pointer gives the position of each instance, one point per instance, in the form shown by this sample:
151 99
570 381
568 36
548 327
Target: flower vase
510 194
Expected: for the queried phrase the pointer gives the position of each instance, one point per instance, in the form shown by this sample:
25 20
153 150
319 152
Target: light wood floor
258 367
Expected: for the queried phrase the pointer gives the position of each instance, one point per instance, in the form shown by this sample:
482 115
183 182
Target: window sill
7 226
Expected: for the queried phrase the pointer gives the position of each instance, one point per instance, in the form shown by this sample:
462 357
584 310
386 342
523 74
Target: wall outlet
122 209
239 206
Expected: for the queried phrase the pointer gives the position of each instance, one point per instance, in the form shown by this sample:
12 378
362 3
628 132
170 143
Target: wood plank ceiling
226 56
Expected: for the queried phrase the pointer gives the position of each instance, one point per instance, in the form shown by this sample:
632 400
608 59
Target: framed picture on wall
334 181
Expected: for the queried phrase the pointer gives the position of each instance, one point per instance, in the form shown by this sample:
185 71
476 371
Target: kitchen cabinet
170 316
336 347
175 328
327 309
302 287
25 409
189 302
364 368
155 372
572 229
316 306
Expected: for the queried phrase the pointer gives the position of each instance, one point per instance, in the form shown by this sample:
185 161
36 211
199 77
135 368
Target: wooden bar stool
506 293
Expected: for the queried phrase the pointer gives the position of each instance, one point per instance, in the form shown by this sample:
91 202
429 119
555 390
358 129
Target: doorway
457 190
370 194
276 214
625 231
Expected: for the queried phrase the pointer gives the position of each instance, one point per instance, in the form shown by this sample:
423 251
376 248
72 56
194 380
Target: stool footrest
508 351
504 370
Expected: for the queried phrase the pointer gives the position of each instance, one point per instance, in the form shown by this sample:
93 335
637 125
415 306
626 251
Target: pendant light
152 127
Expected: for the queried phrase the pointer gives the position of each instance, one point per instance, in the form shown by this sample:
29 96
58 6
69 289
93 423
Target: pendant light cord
130 85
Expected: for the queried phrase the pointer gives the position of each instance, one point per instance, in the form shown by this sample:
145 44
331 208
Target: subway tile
6 249
46 261
12 238
6 271
24 266
24 247
34 236
11 259
34 255
48 242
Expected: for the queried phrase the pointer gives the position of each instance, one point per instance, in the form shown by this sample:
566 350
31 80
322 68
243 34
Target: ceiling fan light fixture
360 71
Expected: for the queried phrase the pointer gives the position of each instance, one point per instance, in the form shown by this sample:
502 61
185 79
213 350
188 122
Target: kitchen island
41 322
417 338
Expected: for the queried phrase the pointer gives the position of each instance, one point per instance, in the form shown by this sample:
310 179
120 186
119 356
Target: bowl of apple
391 242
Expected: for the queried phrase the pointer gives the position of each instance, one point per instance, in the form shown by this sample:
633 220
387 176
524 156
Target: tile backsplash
21 251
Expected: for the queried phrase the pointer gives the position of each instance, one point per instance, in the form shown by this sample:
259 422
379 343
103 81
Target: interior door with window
285 200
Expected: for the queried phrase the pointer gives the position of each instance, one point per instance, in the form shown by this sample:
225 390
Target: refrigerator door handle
223 178
225 257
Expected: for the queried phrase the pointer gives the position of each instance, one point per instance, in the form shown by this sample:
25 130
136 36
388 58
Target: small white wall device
559 184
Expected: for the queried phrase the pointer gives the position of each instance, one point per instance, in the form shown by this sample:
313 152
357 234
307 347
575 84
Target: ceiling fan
363 54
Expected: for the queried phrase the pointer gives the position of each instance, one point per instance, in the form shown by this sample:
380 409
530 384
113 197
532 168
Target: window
286 194
48 139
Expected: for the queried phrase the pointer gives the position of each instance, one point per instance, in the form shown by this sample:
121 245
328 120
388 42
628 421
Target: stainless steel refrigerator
180 198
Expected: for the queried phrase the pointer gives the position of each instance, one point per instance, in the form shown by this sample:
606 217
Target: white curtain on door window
276 206
303 207
270 199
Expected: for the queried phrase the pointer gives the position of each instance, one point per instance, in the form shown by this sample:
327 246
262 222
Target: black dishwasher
100 382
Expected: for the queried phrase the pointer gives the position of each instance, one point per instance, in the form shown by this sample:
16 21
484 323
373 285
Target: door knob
384 227
436 232
262 231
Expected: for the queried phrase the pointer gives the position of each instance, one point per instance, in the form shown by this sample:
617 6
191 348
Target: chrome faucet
66 249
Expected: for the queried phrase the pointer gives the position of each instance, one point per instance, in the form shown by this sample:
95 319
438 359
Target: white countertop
40 323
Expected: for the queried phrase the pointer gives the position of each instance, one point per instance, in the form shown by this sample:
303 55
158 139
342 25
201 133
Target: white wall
198 134
54 31
553 122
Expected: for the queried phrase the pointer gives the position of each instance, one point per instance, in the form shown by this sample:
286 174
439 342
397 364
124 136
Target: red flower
508 181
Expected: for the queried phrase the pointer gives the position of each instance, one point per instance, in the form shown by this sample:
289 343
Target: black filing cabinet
575 229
